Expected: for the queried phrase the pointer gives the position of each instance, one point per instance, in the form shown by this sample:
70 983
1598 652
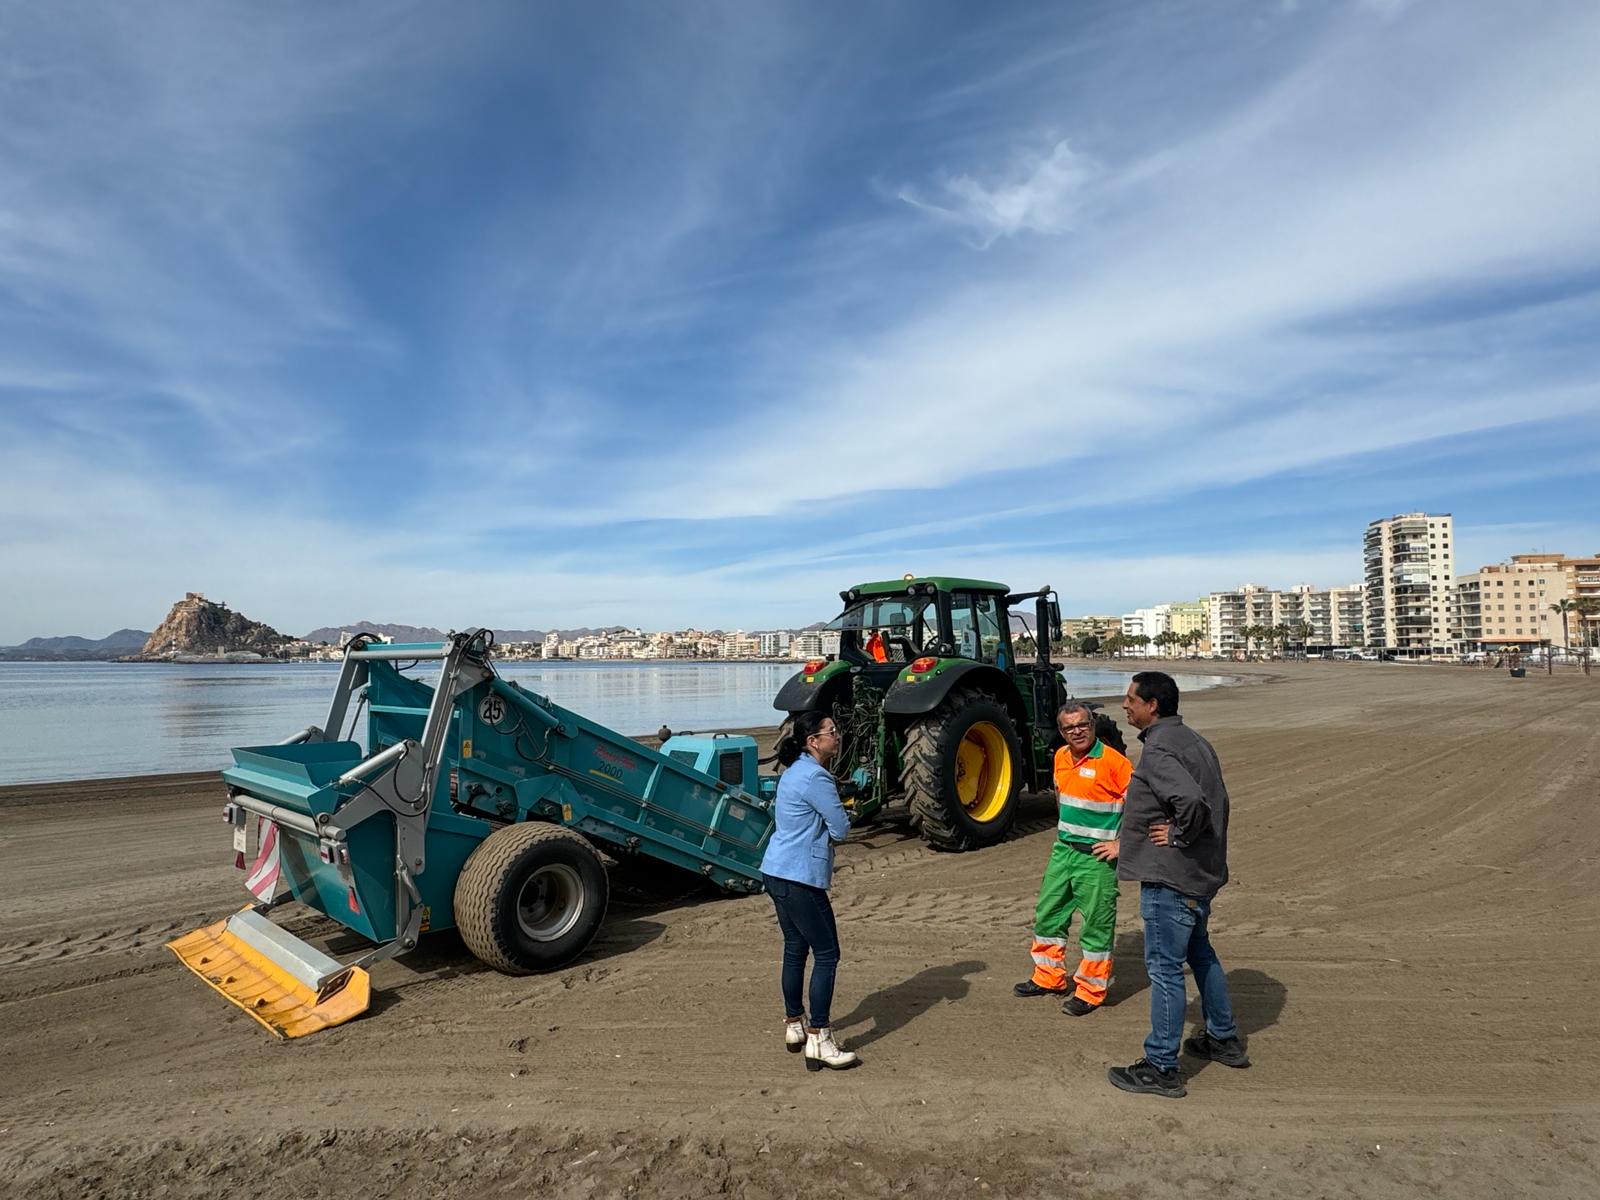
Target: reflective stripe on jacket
1090 790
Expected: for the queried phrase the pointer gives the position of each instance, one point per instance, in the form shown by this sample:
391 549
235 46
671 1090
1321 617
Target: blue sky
550 315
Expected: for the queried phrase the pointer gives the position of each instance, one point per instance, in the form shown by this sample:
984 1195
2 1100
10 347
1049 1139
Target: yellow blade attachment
289 986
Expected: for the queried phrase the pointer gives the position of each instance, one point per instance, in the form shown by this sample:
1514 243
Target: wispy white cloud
1036 192
551 309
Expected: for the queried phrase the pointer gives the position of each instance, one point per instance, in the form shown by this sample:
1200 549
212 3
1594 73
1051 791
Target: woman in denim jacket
808 819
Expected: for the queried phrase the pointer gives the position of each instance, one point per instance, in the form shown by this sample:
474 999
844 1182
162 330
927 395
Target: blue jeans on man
1175 933
806 917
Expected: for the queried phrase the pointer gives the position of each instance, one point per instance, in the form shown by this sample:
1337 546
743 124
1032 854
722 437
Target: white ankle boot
823 1051
794 1036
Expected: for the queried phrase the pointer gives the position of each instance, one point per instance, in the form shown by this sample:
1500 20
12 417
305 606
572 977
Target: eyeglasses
1074 728
834 732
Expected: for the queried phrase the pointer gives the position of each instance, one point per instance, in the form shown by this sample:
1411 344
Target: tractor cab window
975 621
889 629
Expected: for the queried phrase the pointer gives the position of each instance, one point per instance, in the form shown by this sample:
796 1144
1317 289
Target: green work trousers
1075 882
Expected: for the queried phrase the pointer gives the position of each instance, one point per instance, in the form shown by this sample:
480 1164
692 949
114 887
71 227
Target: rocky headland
208 628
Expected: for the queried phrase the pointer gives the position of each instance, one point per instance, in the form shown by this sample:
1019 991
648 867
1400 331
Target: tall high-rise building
1410 568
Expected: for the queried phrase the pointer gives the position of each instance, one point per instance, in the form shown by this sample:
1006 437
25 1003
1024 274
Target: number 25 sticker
492 710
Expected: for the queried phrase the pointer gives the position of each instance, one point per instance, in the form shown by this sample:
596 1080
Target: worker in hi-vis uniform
1091 781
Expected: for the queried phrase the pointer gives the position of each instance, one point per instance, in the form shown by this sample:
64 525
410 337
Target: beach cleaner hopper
474 805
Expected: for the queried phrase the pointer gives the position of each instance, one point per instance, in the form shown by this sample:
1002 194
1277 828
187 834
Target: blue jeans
806 918
1175 933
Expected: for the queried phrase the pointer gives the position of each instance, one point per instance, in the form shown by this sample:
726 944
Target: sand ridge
1412 938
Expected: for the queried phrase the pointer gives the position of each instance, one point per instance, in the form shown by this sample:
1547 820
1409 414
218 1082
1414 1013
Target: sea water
61 721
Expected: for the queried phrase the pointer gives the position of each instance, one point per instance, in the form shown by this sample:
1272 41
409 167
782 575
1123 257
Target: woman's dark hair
1160 687
802 726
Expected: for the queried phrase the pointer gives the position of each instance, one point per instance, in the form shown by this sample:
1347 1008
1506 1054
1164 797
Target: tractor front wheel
963 772
531 897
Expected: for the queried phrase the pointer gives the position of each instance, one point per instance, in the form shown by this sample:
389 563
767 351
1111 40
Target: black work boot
1229 1053
1146 1078
1029 988
1076 1006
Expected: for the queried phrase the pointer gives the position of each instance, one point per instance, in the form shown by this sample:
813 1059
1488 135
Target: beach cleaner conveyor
476 805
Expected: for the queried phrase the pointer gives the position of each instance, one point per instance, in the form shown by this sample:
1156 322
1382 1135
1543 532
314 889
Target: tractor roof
946 583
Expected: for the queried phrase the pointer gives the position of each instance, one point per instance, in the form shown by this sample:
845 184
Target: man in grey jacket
1174 843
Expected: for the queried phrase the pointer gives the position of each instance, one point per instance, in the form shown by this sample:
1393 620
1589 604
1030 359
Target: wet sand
1412 938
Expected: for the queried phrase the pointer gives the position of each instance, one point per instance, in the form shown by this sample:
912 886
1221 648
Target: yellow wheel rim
983 771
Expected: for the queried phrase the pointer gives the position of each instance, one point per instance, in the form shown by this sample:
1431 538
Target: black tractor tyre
960 746
785 728
1109 732
531 897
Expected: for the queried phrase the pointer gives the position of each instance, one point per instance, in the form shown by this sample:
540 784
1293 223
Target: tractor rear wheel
531 897
963 772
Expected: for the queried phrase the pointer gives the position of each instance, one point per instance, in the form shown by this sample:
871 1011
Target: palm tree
1564 607
1280 632
1302 632
1587 608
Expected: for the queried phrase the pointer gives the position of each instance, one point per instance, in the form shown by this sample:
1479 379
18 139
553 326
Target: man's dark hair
1160 687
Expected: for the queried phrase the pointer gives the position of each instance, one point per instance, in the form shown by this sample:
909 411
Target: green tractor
938 713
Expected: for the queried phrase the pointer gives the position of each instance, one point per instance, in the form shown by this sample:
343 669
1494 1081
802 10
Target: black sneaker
1229 1053
1073 1006
1029 988
1144 1078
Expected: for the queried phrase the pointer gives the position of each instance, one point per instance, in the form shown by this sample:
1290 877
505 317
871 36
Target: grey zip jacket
1178 780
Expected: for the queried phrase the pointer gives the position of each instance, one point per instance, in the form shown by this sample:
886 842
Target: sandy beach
1412 939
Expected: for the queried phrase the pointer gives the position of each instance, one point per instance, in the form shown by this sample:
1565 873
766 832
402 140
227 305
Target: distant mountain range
125 643
115 645
426 633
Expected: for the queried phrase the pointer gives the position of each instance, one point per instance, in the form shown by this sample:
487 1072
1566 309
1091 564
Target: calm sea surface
90 720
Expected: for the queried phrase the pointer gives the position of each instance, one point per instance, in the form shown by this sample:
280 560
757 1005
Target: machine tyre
1109 732
963 772
531 897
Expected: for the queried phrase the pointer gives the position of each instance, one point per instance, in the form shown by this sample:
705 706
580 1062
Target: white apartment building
1410 578
814 643
1229 614
1318 618
774 644
552 645
1147 622
1329 618
739 644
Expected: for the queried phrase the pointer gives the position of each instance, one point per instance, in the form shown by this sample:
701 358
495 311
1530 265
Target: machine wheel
531 897
963 772
1109 732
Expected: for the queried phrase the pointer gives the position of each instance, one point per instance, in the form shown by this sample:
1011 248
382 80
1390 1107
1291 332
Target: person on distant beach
1081 876
1174 844
808 818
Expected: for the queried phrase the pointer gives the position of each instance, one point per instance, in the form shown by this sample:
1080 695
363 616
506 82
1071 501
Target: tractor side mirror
1055 620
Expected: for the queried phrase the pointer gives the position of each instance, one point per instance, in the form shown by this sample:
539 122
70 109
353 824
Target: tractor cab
883 635
899 623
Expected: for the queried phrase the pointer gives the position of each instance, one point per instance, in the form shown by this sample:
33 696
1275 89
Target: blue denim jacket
807 820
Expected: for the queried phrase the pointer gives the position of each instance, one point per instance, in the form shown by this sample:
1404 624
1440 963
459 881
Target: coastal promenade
1412 939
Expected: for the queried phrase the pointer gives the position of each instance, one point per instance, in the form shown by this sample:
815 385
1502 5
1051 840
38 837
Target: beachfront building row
1250 617
1318 619
674 644
1418 607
